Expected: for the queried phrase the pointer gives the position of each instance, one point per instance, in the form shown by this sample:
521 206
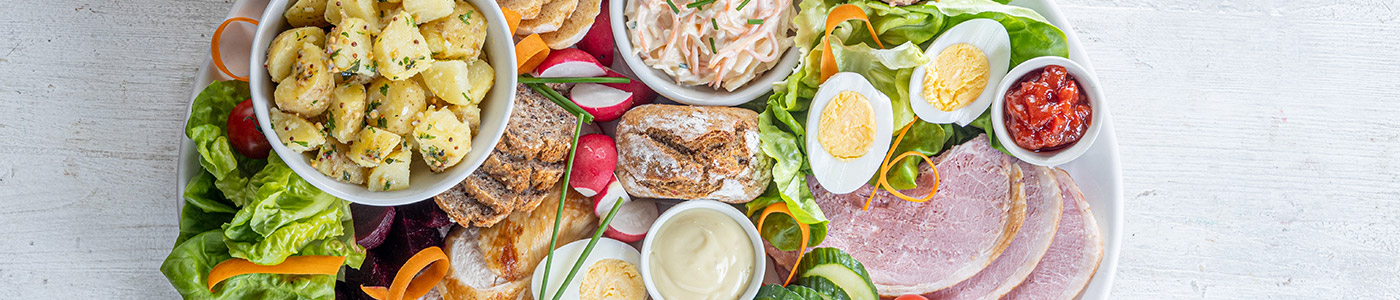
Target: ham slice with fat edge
1043 205
918 248
1074 255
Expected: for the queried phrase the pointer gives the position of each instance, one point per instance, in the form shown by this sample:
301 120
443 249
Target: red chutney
1047 110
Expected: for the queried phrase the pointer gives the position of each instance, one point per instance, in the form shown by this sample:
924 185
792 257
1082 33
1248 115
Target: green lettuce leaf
187 267
1031 35
286 214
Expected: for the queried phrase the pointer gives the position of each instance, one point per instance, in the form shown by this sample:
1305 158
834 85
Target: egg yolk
847 126
956 77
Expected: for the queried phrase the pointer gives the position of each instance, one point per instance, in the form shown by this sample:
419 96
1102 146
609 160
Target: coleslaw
718 43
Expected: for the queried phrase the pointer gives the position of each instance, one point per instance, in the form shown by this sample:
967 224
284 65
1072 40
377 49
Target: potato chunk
307 13
470 114
334 162
400 51
482 77
307 90
424 11
282 52
295 132
347 112
448 80
367 10
373 146
393 174
393 105
349 44
459 35
442 139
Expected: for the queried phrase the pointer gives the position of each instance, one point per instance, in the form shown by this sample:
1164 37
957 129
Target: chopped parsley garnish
303 144
383 122
383 90
466 16
425 136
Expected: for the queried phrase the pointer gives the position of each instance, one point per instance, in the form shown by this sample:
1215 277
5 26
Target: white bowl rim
1086 81
272 19
695 95
760 257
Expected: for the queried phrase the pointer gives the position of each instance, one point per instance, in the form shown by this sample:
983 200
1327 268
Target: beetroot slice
371 224
424 214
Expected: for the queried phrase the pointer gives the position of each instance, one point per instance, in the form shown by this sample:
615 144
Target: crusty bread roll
691 152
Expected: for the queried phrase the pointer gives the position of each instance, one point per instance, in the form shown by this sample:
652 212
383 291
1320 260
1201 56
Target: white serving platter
1097 172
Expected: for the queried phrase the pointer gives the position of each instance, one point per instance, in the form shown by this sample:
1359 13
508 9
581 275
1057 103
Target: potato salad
388 80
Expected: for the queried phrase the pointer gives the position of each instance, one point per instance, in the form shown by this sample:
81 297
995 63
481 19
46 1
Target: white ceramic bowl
423 184
760 259
1087 82
691 94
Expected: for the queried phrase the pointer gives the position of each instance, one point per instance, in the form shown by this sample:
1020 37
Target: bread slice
528 9
551 17
576 26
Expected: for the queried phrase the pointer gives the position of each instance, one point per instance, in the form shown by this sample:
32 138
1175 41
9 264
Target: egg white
564 258
985 34
845 176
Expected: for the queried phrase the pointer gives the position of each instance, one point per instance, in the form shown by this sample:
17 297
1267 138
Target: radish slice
594 163
570 62
603 203
603 102
632 221
641 94
599 40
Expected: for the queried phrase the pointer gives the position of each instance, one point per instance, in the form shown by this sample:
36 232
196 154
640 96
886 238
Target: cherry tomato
911 297
244 133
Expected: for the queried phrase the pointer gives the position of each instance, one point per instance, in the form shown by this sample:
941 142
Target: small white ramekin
760 258
1087 82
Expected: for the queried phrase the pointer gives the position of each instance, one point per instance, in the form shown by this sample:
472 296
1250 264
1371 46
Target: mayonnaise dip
701 254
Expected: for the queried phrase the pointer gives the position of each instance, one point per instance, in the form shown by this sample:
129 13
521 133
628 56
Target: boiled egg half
967 64
848 132
612 271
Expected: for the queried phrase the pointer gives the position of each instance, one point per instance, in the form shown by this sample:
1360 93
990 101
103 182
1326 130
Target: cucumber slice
807 293
838 267
776 292
824 286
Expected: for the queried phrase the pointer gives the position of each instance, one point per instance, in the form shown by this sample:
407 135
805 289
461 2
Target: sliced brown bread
525 165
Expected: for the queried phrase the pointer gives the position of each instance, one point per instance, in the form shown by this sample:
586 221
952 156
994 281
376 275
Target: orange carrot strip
512 19
838 15
295 265
883 180
529 53
409 283
781 207
214 46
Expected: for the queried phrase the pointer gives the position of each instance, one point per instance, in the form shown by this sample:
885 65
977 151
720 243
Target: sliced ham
1043 205
1074 254
917 248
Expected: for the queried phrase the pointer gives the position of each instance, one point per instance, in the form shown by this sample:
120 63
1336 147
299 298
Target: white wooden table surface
1259 143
